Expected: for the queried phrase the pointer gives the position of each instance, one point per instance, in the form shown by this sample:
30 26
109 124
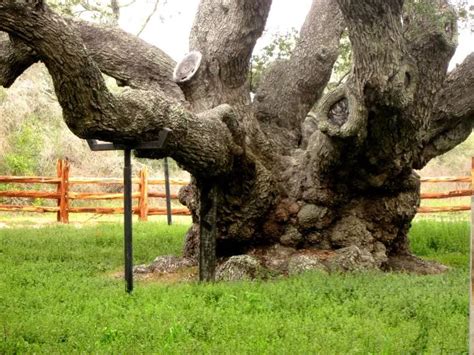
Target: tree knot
341 114
405 83
228 116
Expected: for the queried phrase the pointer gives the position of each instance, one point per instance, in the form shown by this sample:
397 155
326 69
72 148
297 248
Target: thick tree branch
383 72
202 144
444 142
128 59
15 58
290 88
455 101
429 27
91 111
453 116
225 32
364 117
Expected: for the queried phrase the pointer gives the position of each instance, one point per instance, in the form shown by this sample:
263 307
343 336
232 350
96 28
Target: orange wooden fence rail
63 195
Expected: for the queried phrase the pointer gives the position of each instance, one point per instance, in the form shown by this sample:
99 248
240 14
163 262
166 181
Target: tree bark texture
336 182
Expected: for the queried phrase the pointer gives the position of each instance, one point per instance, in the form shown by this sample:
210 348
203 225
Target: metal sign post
127 219
94 145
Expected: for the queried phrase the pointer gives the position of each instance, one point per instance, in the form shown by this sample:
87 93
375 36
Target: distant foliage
465 13
343 64
25 147
95 10
344 61
280 47
428 11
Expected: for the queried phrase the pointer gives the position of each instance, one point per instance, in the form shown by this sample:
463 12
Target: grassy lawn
57 295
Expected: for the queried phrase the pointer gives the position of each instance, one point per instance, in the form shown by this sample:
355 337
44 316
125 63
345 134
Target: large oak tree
339 182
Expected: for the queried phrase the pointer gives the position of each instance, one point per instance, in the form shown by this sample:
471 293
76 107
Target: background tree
97 10
338 188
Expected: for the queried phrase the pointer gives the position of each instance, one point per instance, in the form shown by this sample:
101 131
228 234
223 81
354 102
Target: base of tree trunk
363 233
279 260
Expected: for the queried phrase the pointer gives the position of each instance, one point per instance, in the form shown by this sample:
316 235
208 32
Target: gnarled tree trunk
336 188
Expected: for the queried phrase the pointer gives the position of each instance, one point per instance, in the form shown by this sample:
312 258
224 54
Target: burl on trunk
334 190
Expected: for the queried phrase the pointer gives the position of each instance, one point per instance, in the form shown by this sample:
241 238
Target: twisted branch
202 145
291 87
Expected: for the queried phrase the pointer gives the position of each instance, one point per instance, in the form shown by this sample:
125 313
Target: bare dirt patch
188 274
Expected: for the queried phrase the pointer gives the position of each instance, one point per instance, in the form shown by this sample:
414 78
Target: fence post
143 201
62 169
59 170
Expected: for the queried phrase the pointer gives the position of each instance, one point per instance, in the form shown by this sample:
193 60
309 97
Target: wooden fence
63 194
469 191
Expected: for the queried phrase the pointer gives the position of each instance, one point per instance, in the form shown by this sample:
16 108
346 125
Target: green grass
26 219
57 296
444 240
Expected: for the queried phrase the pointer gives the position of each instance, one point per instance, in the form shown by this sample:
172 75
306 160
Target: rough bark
339 194
15 58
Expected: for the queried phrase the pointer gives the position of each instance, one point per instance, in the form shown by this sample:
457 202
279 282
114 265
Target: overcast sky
169 28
